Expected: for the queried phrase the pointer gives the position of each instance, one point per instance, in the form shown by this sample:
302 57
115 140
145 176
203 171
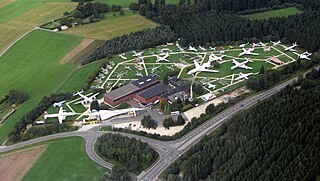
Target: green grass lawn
65 159
79 77
274 13
32 66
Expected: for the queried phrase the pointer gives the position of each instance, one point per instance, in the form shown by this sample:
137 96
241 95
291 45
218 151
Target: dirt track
83 45
14 165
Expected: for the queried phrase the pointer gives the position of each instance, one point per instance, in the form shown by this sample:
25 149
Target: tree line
14 97
134 41
276 140
132 154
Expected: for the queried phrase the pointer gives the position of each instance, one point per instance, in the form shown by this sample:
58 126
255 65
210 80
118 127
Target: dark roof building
175 81
152 94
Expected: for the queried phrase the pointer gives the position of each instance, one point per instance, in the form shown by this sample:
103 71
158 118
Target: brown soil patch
3 3
13 166
83 45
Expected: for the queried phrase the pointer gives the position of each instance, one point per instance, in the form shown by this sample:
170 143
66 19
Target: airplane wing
245 67
235 62
94 96
196 63
207 70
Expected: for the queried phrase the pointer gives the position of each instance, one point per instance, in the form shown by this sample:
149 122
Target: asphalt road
169 151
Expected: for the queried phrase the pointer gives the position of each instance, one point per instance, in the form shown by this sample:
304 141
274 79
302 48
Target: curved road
169 151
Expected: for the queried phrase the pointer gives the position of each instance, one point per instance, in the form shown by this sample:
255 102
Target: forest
134 41
279 139
130 153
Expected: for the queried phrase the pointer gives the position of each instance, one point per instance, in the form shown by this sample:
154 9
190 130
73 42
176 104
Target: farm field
14 165
5 2
32 66
274 13
109 28
9 33
65 159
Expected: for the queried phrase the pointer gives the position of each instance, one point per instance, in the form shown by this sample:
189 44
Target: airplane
170 68
262 44
151 52
106 114
99 80
266 49
123 57
243 45
164 58
137 54
202 48
181 49
247 52
101 76
58 104
154 69
192 48
213 57
104 71
127 68
86 99
290 48
61 115
201 68
275 43
241 65
222 52
304 55
243 76
139 74
211 86
212 48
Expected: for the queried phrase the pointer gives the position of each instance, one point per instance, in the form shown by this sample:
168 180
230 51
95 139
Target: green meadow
32 66
274 13
65 159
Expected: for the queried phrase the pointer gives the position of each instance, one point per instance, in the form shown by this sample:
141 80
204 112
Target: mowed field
109 28
32 66
19 16
274 13
65 159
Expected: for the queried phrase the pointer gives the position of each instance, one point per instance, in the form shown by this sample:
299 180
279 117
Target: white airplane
104 71
154 69
275 43
164 58
212 48
139 74
243 45
127 68
181 49
266 49
151 52
137 54
201 68
262 44
58 104
86 99
123 57
304 55
241 65
211 86
202 48
61 115
247 52
170 68
243 76
106 114
213 57
290 48
192 48
98 80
